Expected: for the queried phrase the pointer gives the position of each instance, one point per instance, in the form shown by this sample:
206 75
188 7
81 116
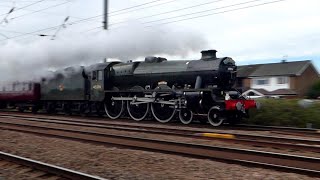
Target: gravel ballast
116 163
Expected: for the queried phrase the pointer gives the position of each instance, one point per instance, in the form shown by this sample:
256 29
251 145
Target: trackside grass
285 112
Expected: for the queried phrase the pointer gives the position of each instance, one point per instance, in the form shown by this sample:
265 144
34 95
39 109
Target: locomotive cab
227 72
99 80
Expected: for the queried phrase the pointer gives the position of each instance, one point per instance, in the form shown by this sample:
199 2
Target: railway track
312 132
304 132
282 130
279 161
301 144
35 169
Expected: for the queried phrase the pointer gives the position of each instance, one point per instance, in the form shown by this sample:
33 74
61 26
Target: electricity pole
105 22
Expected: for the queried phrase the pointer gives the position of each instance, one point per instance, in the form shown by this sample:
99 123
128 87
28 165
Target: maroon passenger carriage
20 95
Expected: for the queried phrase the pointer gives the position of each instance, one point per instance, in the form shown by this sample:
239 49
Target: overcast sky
265 33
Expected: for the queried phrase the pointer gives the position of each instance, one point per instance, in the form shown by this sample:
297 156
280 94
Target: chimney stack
208 55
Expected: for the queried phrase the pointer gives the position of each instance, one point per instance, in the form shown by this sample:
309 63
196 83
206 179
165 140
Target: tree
314 91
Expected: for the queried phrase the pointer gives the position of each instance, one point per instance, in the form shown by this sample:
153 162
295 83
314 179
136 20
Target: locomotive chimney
208 55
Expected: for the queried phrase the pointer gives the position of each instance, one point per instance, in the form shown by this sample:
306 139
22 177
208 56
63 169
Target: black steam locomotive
154 87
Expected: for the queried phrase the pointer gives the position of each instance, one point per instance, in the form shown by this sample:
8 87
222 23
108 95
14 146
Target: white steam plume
29 61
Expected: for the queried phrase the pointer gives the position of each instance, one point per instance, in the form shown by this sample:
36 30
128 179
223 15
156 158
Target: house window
261 81
282 80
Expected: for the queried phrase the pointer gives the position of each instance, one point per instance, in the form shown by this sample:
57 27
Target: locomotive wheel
138 111
215 116
113 108
163 112
185 116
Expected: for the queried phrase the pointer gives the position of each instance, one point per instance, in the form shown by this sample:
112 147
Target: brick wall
246 83
301 84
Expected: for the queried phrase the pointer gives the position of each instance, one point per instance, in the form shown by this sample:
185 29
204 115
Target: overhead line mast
105 22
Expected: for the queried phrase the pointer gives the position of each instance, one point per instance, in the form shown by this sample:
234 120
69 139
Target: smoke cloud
30 61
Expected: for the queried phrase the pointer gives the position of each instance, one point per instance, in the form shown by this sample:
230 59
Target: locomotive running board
141 100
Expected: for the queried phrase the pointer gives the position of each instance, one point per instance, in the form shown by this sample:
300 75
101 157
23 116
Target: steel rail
284 162
281 129
48 168
240 137
276 129
252 140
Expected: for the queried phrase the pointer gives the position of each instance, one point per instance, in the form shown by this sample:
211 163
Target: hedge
314 91
285 112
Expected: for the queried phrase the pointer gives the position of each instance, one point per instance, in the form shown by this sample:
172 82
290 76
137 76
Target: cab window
100 75
94 75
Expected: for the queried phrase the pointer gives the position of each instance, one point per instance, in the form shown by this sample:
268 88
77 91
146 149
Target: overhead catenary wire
86 19
33 12
5 19
167 12
54 27
124 9
214 9
59 28
156 5
48 13
25 6
236 9
188 14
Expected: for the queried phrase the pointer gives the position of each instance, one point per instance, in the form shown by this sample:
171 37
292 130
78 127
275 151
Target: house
283 79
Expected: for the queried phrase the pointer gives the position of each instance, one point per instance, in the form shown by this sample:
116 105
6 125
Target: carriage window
100 75
30 86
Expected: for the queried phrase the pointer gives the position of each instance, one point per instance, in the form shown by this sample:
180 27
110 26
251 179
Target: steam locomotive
155 88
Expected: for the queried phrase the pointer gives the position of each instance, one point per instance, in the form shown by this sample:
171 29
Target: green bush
285 112
314 91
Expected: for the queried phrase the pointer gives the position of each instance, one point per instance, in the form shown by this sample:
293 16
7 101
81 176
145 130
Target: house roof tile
293 68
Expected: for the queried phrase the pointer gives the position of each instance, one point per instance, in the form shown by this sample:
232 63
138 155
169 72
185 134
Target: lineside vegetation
286 112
